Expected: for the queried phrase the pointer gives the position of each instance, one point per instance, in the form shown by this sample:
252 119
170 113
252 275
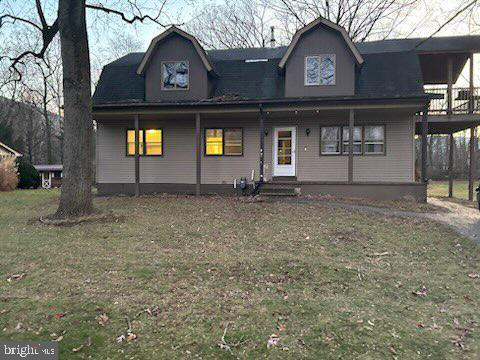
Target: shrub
8 174
29 176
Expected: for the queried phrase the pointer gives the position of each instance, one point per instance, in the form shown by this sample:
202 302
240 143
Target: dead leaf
13 277
85 344
58 315
60 338
102 319
420 324
131 337
281 327
473 276
422 292
120 338
273 340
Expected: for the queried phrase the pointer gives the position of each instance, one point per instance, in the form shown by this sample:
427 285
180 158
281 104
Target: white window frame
365 142
355 142
175 88
319 57
339 141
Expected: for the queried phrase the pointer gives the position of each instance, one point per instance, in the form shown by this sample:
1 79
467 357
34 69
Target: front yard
180 273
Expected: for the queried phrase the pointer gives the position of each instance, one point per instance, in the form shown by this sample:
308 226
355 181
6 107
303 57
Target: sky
104 29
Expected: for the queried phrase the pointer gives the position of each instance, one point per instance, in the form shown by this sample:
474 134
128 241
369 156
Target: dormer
175 68
320 61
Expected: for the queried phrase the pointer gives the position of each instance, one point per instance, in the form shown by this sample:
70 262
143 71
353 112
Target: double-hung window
320 70
357 139
175 75
224 142
150 142
374 139
330 140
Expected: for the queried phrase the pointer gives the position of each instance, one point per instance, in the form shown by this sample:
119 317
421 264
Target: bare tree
232 24
70 23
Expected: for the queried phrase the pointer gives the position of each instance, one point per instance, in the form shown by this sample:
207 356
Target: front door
284 151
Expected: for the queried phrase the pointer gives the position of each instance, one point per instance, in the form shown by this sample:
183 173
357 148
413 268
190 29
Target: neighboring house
322 116
51 175
7 152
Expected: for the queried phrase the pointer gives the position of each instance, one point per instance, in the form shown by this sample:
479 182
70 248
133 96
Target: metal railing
463 100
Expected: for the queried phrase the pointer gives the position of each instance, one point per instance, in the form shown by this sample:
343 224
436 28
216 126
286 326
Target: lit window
150 142
320 70
214 141
224 142
357 139
330 140
131 142
374 139
233 142
175 75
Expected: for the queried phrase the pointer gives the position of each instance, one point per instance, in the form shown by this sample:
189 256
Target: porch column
471 108
262 143
424 175
198 152
137 156
473 162
450 165
351 121
449 86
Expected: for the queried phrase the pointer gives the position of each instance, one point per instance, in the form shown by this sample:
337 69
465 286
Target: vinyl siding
177 165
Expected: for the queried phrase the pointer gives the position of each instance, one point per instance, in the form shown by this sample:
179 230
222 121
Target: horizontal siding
178 163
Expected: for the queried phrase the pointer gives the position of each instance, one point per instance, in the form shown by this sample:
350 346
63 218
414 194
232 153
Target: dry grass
179 271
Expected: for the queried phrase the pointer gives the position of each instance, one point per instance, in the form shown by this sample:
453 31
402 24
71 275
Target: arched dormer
175 68
321 60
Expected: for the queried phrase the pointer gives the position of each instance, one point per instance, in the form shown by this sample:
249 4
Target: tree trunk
76 196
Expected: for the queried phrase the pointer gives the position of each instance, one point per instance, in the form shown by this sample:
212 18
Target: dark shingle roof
391 69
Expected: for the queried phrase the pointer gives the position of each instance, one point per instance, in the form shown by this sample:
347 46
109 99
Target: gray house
321 116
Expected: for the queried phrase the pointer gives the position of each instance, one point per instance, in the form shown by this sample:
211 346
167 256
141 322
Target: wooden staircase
284 186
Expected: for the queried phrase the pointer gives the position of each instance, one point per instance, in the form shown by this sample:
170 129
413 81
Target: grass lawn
181 272
440 188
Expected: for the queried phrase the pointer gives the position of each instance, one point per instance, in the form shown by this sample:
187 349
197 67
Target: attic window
320 70
175 75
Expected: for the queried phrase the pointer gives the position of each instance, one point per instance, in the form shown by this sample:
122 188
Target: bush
29 176
8 174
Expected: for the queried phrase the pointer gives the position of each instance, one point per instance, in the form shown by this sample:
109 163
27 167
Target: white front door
284 145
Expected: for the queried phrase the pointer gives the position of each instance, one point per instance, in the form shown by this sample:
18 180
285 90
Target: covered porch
185 167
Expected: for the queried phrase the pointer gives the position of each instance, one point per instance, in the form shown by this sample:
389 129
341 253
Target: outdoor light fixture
307 131
266 132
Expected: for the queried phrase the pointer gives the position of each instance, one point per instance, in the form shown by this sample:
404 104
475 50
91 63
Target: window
330 140
357 139
320 70
224 142
374 139
150 142
175 75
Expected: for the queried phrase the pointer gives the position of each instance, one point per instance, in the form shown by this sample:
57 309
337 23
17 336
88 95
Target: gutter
267 104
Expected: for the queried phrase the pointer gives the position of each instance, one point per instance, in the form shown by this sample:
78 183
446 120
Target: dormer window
320 70
175 75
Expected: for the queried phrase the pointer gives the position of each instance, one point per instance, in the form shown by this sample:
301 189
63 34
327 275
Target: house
51 175
322 115
8 152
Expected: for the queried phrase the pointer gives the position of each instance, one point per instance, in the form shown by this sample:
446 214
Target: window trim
384 141
174 88
363 153
143 141
223 141
339 141
362 132
319 56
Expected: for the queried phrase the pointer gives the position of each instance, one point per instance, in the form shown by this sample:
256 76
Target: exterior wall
320 40
178 166
176 48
